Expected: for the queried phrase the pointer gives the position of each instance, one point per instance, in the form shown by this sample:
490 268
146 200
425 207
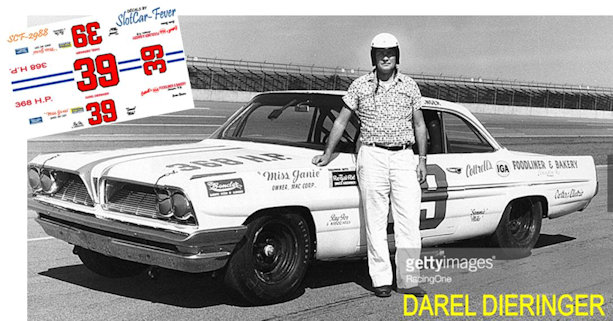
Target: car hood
176 163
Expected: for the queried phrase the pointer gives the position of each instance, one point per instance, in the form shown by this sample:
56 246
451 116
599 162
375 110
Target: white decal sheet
95 71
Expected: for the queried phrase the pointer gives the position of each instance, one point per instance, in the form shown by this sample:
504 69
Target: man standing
388 105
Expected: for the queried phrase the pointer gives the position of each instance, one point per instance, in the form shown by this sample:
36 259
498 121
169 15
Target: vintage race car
249 202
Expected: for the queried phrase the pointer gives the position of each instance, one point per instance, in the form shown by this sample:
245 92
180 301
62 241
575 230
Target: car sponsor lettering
475 169
163 87
548 172
476 215
36 120
131 110
217 162
21 51
77 124
343 178
294 175
59 32
225 187
566 164
65 44
30 102
502 168
528 164
338 220
432 102
57 113
573 193
25 68
43 48
296 179
76 110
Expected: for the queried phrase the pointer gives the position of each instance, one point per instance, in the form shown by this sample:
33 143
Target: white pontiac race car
249 201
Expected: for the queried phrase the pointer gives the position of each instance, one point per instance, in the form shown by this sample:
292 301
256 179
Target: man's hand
322 160
421 171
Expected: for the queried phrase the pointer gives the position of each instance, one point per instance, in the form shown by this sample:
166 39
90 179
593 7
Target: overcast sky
558 49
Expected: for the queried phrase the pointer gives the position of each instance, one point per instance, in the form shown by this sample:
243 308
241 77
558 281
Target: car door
461 198
461 163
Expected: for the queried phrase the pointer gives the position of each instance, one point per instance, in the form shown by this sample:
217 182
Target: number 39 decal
438 196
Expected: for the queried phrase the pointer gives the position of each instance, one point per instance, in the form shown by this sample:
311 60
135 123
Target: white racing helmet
384 41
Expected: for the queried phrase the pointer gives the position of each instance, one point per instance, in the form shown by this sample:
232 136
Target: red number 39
102 112
79 37
148 54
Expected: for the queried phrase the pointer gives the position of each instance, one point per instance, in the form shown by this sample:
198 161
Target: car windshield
295 119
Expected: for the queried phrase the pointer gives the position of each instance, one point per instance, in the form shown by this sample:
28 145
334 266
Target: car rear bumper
201 251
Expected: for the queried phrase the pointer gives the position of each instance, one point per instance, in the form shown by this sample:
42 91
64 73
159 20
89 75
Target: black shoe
383 291
416 291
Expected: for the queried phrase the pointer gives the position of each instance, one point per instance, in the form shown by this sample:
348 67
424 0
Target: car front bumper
201 251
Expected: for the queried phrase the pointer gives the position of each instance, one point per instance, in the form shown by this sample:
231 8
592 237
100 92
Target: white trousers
390 178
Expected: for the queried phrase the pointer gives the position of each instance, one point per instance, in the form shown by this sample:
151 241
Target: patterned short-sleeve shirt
386 116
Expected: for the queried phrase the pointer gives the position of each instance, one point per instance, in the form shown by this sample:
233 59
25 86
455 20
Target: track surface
573 255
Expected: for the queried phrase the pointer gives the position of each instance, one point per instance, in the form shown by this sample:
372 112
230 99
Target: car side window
266 122
434 134
463 137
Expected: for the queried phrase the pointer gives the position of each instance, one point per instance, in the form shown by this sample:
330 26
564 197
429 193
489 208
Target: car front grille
73 190
133 199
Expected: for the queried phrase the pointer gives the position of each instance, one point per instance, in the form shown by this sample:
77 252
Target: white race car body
227 181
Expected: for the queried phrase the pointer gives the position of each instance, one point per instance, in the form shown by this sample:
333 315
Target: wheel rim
521 220
274 252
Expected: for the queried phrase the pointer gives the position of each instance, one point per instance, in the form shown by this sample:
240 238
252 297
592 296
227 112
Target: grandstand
238 75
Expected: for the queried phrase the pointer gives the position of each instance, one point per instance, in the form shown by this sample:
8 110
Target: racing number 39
152 56
103 111
105 65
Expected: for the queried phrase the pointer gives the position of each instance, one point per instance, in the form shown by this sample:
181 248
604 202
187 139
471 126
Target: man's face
386 59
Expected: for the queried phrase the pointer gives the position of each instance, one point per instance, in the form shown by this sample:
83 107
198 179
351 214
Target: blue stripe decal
45 84
128 61
131 68
42 77
174 52
175 60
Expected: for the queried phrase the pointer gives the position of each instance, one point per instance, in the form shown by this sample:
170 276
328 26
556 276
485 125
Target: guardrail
240 75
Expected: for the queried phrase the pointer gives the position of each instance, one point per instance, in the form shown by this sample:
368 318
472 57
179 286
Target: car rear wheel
519 228
268 265
107 266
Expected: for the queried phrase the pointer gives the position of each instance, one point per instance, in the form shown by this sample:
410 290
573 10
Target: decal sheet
96 71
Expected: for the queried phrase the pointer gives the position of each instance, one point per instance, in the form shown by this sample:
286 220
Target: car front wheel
268 265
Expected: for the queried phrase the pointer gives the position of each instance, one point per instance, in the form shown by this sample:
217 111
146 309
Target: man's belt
393 147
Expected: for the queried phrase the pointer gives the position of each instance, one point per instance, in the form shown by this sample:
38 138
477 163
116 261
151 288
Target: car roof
427 101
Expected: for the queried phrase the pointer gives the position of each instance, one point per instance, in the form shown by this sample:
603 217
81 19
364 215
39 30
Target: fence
238 75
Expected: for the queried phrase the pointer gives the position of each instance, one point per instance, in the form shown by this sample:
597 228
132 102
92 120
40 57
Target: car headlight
34 179
164 203
51 181
182 208
173 204
46 180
